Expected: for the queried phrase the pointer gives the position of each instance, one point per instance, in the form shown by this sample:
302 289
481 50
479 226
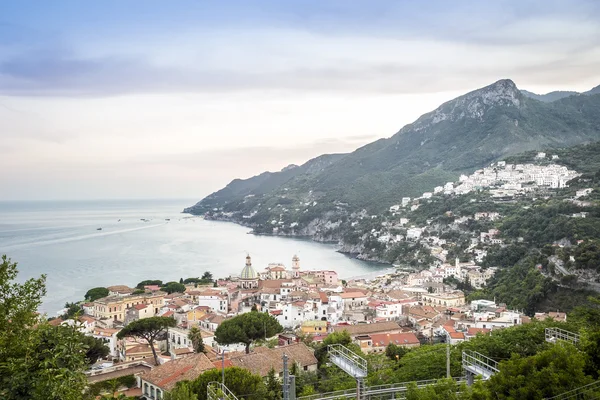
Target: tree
246 328
96 349
96 293
240 381
543 375
394 352
273 386
149 282
207 276
73 310
149 329
182 391
37 361
181 280
195 335
173 287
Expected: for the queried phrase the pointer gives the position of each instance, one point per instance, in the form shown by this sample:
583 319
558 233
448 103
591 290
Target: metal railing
478 364
589 391
218 391
395 388
349 361
553 335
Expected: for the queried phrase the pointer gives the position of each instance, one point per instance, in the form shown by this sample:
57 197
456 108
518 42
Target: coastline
349 254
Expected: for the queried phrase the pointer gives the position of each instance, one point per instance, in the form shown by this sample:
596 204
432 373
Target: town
405 310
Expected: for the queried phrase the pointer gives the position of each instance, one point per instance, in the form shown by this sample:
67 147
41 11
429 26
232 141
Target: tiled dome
248 272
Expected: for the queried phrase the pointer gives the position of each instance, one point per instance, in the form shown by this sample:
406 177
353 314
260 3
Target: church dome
248 272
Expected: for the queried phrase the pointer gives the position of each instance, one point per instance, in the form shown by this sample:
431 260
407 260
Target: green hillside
460 136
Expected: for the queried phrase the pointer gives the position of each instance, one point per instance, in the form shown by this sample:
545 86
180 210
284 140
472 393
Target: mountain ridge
459 136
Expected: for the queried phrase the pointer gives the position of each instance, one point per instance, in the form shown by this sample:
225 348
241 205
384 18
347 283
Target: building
163 378
214 300
314 327
446 299
114 307
368 329
248 276
377 343
263 359
354 300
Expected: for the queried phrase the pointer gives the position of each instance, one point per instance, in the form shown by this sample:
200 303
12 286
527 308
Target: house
109 337
114 307
354 300
368 329
211 322
377 343
163 378
263 359
446 299
214 300
120 290
314 327
139 311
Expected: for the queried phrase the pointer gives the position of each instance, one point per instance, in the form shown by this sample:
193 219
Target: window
145 388
306 367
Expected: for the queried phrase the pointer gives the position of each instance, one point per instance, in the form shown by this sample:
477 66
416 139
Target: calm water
61 239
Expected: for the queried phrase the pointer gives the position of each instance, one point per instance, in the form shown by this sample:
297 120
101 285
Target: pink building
328 277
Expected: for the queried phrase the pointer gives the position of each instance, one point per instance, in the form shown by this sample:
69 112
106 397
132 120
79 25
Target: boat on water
98 229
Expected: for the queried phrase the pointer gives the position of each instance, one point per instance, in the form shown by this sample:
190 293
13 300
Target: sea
84 244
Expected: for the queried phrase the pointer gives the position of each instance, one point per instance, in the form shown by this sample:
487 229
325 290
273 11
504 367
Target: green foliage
195 335
95 349
546 374
182 391
73 310
173 287
394 352
240 381
96 293
148 283
274 390
138 291
246 328
112 385
37 361
342 338
149 329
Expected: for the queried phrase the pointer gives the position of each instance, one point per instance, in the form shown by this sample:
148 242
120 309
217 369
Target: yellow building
446 299
313 327
114 307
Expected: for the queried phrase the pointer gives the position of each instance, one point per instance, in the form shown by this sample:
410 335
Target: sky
156 99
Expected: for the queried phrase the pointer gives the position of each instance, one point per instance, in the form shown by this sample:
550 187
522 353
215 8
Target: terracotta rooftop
168 374
351 295
365 329
475 331
140 306
273 283
399 339
261 362
457 335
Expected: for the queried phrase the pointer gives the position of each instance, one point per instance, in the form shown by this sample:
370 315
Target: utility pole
223 367
448 356
286 379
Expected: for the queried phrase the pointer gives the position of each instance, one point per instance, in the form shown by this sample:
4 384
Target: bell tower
296 267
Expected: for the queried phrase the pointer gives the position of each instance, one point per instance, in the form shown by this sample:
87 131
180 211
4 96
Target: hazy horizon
151 100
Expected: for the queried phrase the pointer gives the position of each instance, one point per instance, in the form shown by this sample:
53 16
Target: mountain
549 97
557 95
459 136
238 189
595 90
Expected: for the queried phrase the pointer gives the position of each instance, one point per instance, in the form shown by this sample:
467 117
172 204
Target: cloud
447 52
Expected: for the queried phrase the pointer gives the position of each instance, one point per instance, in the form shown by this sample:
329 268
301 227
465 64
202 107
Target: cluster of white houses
312 302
